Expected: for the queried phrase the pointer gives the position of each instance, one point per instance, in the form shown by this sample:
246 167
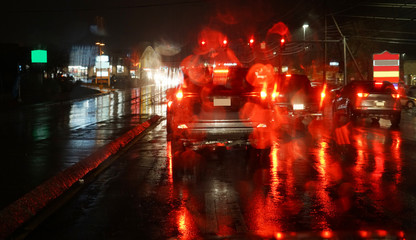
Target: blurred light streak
323 93
170 166
379 169
396 154
364 234
323 182
342 135
360 163
279 235
184 221
135 104
327 234
274 180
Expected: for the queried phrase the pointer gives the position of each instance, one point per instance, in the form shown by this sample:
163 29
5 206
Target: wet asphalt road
40 140
314 183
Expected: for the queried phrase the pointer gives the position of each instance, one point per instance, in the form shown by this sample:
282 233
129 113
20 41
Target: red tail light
182 126
221 71
170 104
179 94
263 94
396 96
323 94
275 94
362 95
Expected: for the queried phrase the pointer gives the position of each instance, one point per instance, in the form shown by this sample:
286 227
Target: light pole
99 44
305 26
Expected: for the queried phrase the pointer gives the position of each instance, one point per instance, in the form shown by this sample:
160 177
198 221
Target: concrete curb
26 207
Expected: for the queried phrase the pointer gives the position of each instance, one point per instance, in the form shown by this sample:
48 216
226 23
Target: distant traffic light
251 42
225 42
282 43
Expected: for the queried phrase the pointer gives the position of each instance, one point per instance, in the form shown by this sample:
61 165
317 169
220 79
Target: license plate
298 106
380 104
222 102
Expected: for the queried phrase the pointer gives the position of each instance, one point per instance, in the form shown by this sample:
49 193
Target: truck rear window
232 78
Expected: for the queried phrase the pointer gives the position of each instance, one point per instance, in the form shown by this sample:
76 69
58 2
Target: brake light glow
396 96
263 94
219 71
170 104
322 96
288 75
378 83
275 94
182 126
179 94
225 42
361 95
261 125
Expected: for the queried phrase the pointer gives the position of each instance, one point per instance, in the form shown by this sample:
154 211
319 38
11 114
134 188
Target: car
295 97
367 99
408 98
215 106
412 91
408 102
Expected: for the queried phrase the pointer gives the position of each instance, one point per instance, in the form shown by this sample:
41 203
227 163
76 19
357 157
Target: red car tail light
179 94
275 94
263 95
396 95
323 94
362 95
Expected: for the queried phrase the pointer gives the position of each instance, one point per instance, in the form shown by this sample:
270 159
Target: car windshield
225 78
293 83
208 119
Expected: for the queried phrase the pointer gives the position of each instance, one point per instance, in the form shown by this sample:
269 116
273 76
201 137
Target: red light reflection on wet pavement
307 185
310 184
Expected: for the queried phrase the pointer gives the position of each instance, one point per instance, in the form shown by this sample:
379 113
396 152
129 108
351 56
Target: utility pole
344 41
325 47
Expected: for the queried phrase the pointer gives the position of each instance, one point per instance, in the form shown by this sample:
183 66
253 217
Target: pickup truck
294 97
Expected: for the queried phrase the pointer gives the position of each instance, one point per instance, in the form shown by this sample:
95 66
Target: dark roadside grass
50 90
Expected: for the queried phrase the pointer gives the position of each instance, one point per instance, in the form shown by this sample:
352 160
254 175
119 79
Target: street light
100 45
305 26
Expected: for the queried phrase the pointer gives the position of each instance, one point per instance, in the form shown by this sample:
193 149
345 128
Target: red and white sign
386 67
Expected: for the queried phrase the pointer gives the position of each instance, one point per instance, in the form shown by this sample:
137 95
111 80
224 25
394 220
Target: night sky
125 24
